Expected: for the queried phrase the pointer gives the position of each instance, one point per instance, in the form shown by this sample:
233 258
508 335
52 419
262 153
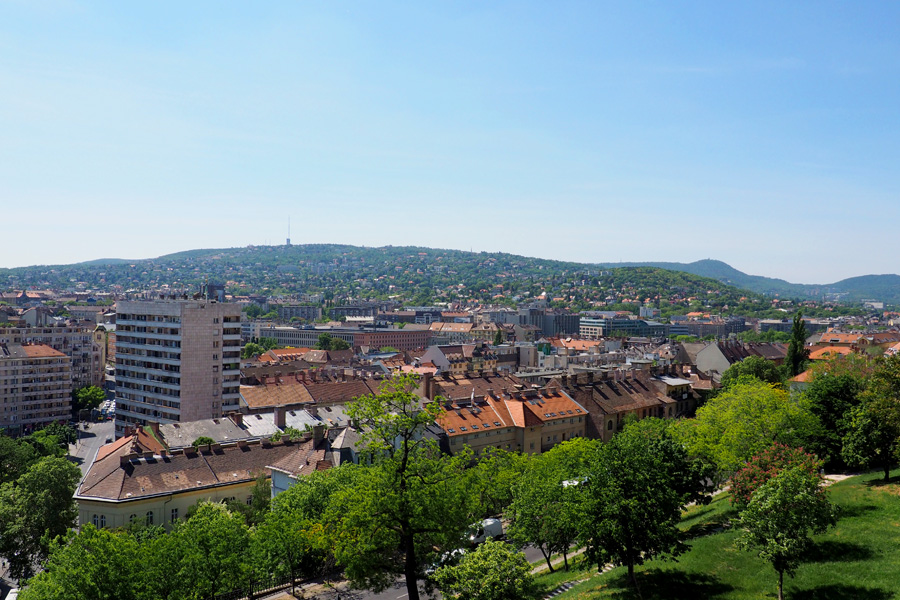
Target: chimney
155 427
426 386
318 433
280 415
237 418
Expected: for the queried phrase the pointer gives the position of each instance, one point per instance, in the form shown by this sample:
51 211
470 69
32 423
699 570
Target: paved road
89 441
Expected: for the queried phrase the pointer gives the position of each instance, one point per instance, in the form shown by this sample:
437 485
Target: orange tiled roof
829 351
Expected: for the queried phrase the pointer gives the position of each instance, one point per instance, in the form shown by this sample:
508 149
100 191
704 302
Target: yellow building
135 480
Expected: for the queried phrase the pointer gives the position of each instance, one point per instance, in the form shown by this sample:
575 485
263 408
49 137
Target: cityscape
465 301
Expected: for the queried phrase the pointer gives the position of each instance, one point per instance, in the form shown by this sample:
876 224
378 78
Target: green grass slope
858 559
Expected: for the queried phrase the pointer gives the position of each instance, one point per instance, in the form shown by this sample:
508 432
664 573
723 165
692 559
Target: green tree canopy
781 516
634 494
832 398
798 353
752 366
202 556
409 504
15 458
93 564
324 342
743 421
546 506
34 510
494 571
251 349
873 432
202 441
268 343
339 344
88 397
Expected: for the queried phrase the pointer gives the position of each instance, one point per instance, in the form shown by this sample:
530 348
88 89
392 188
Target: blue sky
761 134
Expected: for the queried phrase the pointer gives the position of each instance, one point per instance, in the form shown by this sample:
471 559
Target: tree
202 556
34 510
253 310
87 398
797 353
324 342
498 337
492 479
260 502
292 538
766 465
831 398
635 491
752 366
339 344
46 443
15 458
744 420
781 516
251 349
411 502
93 564
202 441
268 343
873 435
494 571
546 506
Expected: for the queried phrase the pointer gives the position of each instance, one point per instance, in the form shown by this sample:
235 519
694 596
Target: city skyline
764 135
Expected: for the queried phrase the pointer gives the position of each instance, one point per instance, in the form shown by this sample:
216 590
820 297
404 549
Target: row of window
100 520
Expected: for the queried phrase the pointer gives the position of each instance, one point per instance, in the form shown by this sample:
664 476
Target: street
89 441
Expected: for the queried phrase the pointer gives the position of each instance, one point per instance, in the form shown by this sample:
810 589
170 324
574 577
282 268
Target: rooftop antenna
289 232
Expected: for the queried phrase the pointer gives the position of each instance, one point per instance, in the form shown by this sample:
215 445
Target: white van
488 528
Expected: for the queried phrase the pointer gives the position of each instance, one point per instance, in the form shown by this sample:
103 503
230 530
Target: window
132 518
149 517
249 500
173 515
532 445
609 425
96 521
102 521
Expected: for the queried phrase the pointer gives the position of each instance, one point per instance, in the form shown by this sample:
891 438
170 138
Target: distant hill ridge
884 288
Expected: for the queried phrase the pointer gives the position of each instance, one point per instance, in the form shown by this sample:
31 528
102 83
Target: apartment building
35 387
177 359
84 345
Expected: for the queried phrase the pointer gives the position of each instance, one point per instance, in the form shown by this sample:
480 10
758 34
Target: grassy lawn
858 559
578 569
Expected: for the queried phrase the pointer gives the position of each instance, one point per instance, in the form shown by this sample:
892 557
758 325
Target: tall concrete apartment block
176 360
35 387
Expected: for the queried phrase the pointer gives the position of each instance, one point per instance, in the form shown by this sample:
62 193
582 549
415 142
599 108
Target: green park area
857 558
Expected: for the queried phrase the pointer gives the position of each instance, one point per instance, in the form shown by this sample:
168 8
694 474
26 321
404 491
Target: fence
256 588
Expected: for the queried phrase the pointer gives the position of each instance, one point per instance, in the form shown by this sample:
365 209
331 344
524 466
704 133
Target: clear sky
766 135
